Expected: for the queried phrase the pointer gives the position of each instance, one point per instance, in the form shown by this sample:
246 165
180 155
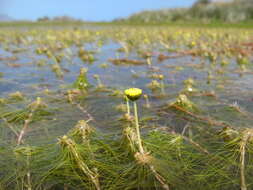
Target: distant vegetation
203 10
57 19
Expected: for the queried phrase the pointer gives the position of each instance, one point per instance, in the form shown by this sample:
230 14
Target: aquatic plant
56 68
16 96
81 82
197 136
242 61
99 82
147 101
154 85
69 146
183 102
189 83
134 94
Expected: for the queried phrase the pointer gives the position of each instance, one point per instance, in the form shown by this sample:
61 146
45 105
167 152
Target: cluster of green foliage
203 10
192 133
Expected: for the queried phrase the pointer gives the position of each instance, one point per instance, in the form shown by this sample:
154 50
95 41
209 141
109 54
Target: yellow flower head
133 93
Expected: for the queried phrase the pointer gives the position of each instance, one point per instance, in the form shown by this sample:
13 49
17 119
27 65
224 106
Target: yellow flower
133 93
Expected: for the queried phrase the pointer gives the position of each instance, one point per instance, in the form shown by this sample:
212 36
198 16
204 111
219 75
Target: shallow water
31 74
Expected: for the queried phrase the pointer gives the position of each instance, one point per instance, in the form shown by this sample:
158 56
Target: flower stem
128 107
138 128
100 85
162 88
149 62
147 101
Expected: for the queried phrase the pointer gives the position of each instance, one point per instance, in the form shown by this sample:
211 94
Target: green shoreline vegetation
203 11
80 24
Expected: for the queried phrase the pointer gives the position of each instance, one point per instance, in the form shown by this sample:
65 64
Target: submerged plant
33 107
24 156
224 63
174 147
70 147
147 100
82 132
242 61
183 102
149 60
99 82
81 82
189 83
56 68
16 96
2 101
161 78
86 56
154 85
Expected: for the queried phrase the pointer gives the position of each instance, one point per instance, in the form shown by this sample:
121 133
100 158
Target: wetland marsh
67 122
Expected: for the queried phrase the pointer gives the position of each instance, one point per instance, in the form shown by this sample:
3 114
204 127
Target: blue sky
94 10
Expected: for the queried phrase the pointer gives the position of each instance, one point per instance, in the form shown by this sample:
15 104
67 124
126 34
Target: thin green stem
29 183
147 101
138 128
128 106
149 62
100 85
162 87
